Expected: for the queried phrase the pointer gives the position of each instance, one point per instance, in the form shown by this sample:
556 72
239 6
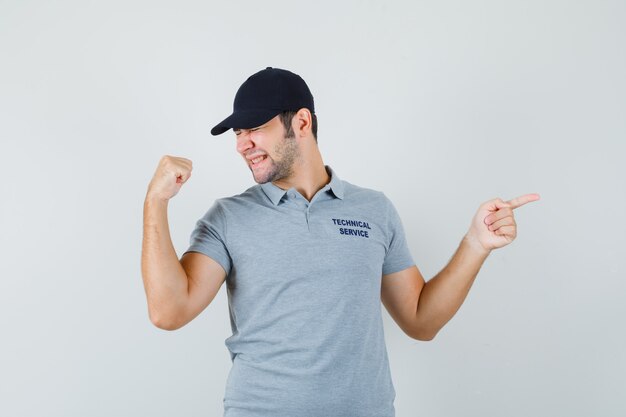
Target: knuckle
166 160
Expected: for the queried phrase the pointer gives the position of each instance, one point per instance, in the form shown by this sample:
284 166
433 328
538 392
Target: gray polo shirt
303 285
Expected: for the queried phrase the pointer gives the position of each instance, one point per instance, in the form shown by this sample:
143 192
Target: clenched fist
170 175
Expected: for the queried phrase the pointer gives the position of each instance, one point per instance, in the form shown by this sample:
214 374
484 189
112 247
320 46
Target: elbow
426 338
163 323
165 326
423 335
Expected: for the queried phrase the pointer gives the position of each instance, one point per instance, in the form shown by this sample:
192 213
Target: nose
244 142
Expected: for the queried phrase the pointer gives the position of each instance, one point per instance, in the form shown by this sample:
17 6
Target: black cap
264 95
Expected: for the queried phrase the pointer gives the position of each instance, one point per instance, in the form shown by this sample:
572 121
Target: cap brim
244 119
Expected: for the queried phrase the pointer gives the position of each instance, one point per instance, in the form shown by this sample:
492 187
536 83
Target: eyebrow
235 129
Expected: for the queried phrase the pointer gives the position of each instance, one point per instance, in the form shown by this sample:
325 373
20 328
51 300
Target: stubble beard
286 152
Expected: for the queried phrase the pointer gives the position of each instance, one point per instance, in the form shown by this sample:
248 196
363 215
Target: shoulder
251 196
353 192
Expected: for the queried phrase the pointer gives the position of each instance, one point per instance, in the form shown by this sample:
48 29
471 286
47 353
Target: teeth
257 160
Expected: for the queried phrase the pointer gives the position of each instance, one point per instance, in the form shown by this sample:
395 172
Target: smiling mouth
258 161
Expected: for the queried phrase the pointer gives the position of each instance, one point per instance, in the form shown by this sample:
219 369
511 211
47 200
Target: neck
308 177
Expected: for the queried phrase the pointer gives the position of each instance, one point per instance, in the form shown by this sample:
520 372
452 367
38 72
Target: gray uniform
303 284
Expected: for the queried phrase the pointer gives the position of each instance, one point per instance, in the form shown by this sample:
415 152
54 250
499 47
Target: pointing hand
493 226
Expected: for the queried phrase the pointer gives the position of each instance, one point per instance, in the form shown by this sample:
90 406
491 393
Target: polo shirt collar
335 184
276 193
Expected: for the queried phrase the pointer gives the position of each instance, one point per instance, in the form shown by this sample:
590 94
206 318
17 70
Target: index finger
523 199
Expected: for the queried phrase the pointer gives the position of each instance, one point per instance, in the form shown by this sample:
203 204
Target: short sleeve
397 256
209 236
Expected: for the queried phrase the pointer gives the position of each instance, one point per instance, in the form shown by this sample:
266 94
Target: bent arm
165 281
442 296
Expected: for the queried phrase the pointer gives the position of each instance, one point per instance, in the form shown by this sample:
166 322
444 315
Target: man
307 258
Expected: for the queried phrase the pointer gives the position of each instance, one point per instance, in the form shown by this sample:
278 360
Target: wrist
474 245
154 200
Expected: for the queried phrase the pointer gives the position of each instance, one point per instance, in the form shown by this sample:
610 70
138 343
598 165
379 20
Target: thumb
499 203
493 206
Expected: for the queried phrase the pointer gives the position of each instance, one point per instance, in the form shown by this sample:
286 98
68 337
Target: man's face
277 151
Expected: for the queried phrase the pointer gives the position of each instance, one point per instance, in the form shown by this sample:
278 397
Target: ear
302 122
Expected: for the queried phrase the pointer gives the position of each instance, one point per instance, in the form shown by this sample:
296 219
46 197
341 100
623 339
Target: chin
260 180
263 177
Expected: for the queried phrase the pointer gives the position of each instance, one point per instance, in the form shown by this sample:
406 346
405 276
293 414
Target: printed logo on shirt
362 231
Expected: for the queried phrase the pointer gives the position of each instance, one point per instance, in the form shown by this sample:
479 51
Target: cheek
261 142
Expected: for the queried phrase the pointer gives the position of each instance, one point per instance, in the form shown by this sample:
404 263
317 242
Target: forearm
442 296
164 278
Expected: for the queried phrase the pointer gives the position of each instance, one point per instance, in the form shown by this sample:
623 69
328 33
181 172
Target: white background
442 105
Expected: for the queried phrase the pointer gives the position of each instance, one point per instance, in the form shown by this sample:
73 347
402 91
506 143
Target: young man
307 258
